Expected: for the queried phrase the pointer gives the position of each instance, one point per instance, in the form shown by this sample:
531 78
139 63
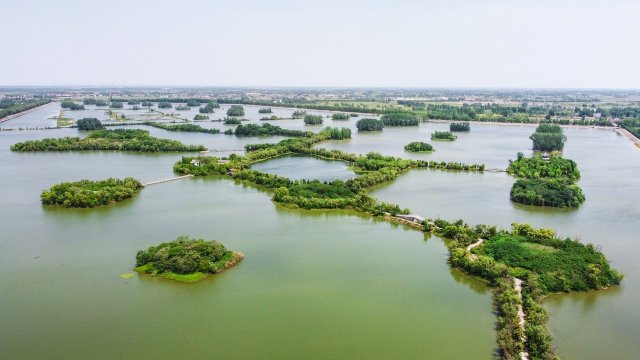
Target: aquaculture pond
313 284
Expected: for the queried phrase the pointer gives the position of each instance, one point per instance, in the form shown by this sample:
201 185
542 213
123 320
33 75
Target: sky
374 43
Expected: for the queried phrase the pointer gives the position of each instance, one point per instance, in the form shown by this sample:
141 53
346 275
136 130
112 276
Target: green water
313 284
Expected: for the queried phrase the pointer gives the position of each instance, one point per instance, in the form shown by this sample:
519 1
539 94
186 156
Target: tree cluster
88 194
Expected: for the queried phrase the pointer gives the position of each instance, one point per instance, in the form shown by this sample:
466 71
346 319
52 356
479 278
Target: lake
314 284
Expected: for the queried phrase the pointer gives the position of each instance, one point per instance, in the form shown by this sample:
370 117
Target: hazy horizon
460 44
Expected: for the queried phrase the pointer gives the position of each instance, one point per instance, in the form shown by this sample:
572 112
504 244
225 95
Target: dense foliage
265 129
164 105
183 108
235 110
339 116
400 119
182 127
632 126
265 110
313 119
116 105
94 101
298 114
199 117
88 194
339 133
89 124
71 105
536 168
459 126
186 256
231 121
548 137
443 135
120 139
14 107
208 109
418 146
547 192
546 263
369 124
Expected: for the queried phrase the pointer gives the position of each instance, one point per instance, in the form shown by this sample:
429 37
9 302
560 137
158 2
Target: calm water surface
313 284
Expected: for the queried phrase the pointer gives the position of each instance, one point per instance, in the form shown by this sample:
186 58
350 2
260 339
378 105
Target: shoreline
440 121
13 116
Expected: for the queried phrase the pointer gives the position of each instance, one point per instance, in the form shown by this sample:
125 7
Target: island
119 139
313 120
548 137
418 146
340 116
235 110
186 260
89 124
459 126
545 181
369 124
547 192
523 266
265 110
400 119
88 194
443 136
182 127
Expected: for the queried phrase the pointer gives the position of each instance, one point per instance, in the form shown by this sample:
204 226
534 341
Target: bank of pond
186 260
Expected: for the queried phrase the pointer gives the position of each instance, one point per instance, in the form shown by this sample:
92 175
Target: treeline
632 126
342 107
95 101
71 105
265 130
369 124
400 119
459 126
88 194
182 127
548 137
119 139
11 108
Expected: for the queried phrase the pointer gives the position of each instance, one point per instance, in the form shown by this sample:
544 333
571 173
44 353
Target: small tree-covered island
119 139
545 181
88 194
443 136
186 260
418 146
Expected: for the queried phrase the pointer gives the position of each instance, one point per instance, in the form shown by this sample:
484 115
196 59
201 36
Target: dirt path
517 285
475 244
